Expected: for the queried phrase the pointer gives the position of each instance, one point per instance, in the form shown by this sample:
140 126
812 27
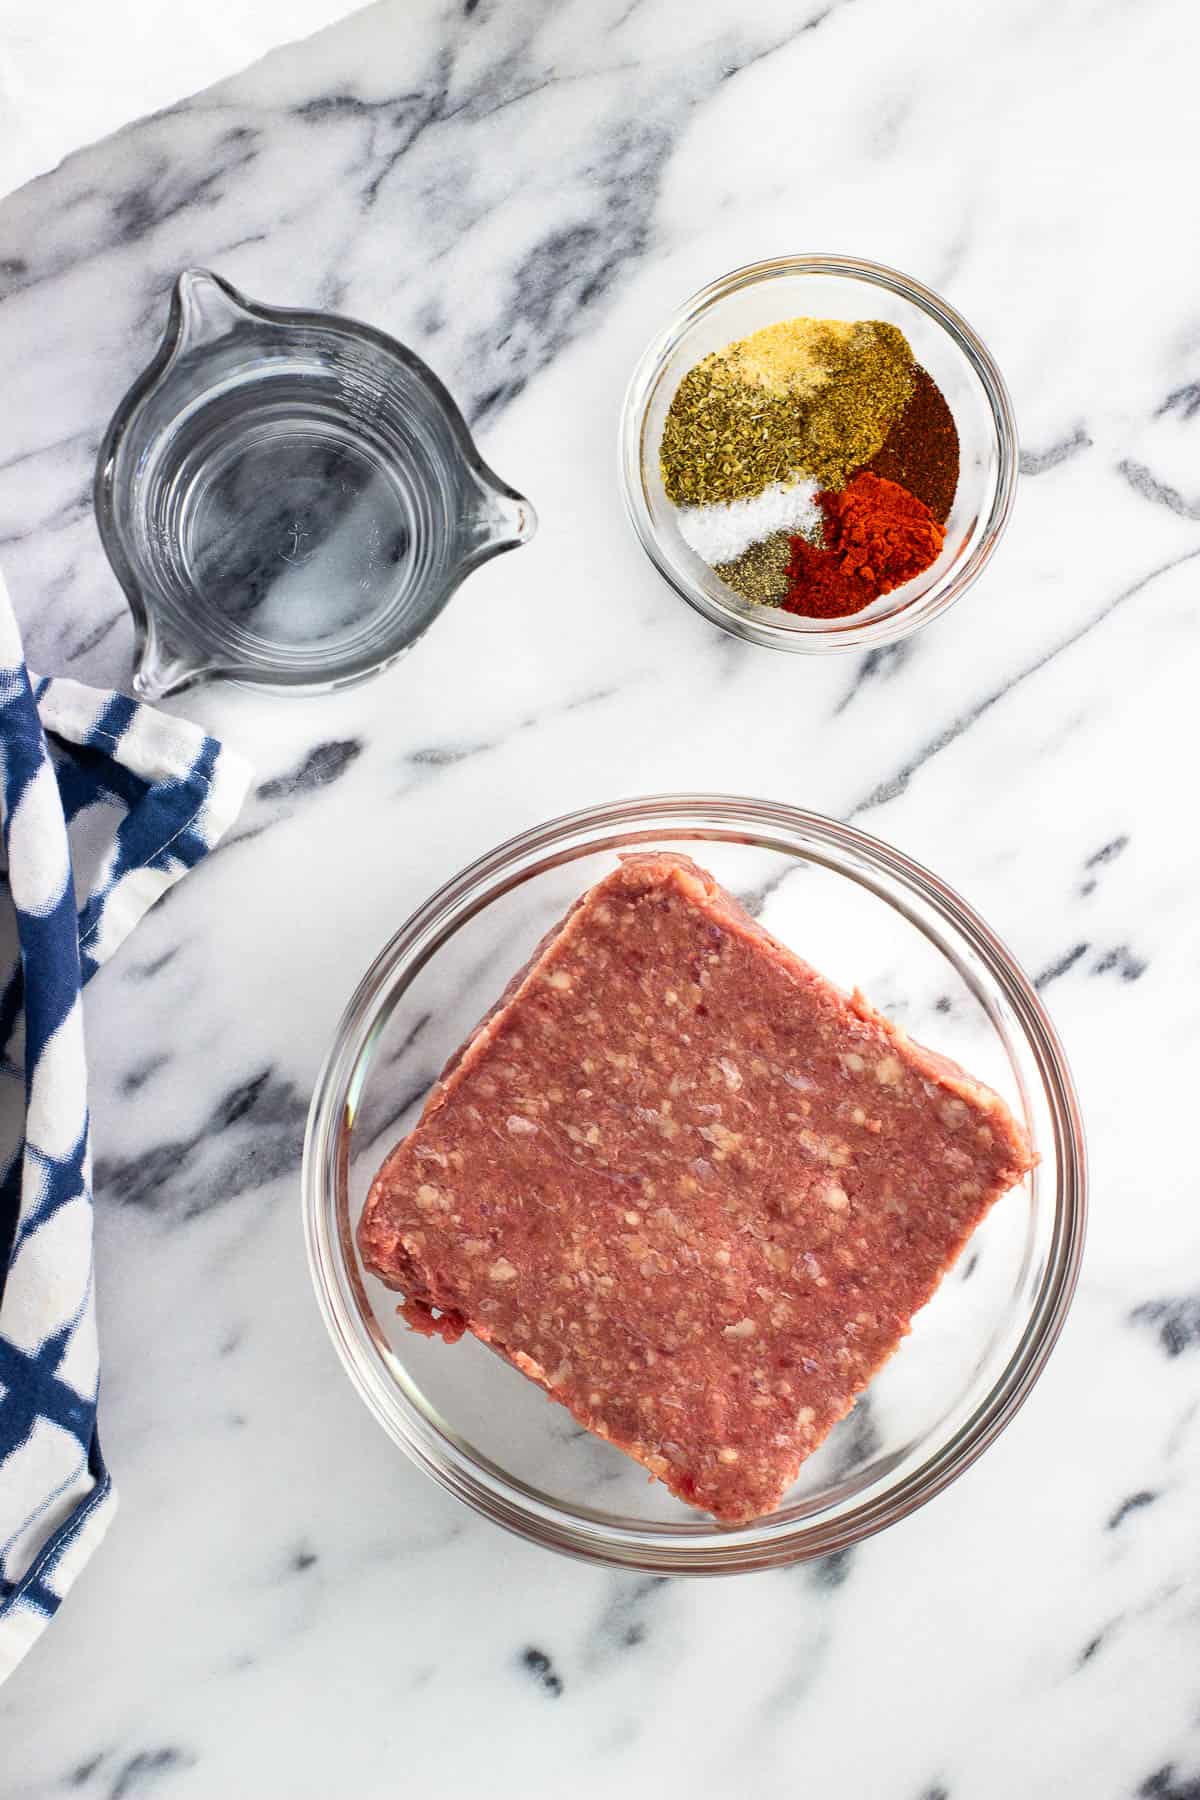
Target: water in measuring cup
293 525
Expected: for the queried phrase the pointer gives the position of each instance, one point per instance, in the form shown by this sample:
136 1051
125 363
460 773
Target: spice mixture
814 464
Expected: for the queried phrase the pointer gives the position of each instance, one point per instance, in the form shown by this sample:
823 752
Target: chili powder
921 451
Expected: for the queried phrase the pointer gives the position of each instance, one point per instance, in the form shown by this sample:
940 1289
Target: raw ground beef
688 1186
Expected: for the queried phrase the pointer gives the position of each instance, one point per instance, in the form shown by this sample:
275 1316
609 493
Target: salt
720 534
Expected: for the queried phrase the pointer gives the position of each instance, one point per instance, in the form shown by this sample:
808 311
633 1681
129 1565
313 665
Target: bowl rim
821 637
484 1486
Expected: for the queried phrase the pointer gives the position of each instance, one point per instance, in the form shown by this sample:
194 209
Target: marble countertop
71 70
524 192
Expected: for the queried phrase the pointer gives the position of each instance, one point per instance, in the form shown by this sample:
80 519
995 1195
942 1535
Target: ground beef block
688 1186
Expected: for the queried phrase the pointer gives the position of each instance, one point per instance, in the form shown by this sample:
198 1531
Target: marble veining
523 191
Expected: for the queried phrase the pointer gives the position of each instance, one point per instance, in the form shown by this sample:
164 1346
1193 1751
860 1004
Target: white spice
720 534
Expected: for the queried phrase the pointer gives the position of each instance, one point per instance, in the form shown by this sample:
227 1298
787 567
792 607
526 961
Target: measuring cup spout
506 519
161 669
204 308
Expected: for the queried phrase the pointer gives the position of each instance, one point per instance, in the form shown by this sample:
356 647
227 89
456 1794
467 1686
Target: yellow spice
792 357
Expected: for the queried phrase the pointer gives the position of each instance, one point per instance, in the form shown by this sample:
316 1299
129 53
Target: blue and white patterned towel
105 804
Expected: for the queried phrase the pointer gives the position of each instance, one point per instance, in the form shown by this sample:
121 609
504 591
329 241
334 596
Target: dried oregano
806 397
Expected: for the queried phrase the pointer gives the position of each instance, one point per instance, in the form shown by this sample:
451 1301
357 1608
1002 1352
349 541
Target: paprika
877 537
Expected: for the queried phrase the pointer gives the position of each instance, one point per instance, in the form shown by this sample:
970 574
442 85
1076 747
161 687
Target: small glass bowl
861 912
829 287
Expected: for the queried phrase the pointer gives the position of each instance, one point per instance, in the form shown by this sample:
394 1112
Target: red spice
877 537
921 451
819 587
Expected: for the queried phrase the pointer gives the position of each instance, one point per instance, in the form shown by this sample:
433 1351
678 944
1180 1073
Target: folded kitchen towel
105 804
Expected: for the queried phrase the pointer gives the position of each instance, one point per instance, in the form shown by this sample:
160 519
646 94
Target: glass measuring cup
289 498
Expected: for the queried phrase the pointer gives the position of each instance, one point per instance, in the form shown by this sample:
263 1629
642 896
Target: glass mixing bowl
862 913
828 287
